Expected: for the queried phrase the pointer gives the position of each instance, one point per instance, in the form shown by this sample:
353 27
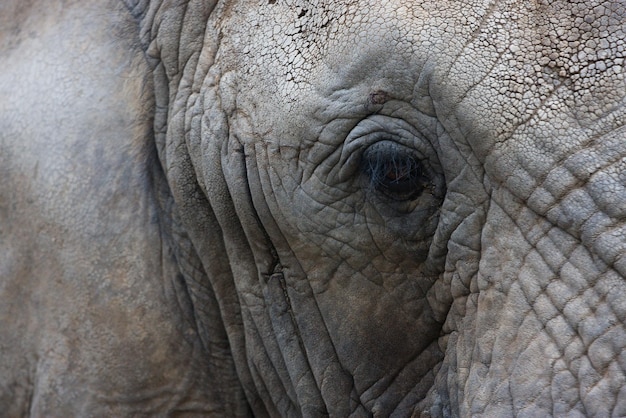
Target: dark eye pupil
395 174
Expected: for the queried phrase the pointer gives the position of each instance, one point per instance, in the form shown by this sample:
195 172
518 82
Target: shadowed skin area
312 208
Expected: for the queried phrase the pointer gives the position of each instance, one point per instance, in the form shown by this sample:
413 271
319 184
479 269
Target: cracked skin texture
189 223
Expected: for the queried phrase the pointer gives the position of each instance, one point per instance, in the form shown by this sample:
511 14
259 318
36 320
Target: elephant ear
170 33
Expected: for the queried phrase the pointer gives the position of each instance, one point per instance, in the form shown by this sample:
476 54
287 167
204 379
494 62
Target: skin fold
312 208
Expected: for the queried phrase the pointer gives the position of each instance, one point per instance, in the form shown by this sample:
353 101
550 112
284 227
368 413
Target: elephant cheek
540 333
379 332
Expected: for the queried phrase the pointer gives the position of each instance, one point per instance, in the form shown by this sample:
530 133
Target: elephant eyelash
395 173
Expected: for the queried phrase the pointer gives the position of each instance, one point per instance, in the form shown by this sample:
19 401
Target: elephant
309 208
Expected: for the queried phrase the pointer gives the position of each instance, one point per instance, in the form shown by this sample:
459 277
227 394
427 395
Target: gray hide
312 208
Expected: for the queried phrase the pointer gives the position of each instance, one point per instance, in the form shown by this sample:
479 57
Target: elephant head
397 208
419 206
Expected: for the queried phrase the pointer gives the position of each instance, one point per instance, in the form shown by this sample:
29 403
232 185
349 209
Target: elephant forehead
294 47
292 39
311 58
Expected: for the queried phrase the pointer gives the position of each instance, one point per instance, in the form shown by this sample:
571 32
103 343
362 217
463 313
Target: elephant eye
394 171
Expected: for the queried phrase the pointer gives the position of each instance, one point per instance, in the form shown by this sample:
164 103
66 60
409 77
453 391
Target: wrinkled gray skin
192 219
